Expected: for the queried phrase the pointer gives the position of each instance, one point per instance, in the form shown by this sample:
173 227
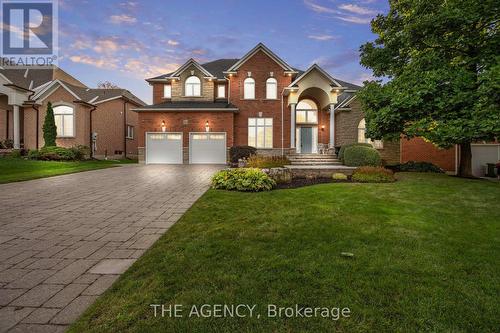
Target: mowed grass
18 169
426 258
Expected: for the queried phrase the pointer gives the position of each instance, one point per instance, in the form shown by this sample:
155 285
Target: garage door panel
164 148
207 148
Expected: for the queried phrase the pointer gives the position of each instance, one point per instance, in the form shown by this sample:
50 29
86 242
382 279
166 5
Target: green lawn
17 169
426 258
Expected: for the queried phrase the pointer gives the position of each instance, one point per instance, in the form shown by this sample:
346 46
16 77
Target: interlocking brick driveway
65 240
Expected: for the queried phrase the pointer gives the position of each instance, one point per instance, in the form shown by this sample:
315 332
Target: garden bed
301 182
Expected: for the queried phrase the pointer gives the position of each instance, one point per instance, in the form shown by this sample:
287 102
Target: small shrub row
355 156
239 152
244 180
76 153
413 166
266 162
373 175
344 147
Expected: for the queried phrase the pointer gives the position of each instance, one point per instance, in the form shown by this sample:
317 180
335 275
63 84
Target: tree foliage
49 127
439 69
107 85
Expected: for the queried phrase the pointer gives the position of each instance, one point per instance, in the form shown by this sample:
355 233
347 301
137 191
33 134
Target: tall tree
49 127
438 65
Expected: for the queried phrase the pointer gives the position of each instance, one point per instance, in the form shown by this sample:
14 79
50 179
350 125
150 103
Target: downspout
125 129
282 123
91 136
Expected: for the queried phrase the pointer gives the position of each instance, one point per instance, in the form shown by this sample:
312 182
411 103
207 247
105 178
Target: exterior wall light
163 126
207 127
323 127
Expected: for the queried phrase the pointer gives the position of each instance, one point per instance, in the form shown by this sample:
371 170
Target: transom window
306 112
249 88
65 121
193 86
377 144
271 88
167 91
260 132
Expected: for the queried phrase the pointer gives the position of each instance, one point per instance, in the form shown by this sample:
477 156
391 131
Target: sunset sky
127 41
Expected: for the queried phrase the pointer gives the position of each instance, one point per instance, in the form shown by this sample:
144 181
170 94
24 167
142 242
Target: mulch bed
301 182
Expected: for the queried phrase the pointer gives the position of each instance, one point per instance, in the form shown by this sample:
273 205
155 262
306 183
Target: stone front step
313 159
311 156
327 162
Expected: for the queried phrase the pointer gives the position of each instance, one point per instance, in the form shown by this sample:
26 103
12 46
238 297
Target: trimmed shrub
373 175
244 180
81 152
15 154
413 166
34 154
267 162
339 176
237 152
56 154
343 148
355 156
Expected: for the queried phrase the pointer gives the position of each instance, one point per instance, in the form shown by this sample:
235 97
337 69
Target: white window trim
274 83
248 81
189 90
54 107
255 129
128 132
221 88
167 91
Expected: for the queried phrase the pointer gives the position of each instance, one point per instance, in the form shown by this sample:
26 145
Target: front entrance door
306 140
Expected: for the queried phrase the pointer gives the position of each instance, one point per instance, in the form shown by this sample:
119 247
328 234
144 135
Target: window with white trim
167 91
221 91
193 86
64 117
249 88
377 144
306 112
272 88
260 132
130 132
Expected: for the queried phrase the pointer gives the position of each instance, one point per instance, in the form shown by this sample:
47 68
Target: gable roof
216 68
268 52
189 63
322 71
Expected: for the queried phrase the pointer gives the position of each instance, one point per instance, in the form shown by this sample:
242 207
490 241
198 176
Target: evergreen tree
49 127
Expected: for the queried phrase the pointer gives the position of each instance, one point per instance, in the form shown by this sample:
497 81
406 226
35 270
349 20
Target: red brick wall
185 122
417 149
260 65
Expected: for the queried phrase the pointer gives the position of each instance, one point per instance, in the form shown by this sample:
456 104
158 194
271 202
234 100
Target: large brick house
201 110
97 118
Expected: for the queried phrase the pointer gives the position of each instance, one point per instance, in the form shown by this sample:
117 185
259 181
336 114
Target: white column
332 126
292 125
17 134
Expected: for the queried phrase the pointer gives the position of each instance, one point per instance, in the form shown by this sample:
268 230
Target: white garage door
483 154
207 148
163 148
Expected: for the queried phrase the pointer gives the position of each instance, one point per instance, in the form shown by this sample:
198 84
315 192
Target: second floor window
193 86
65 120
167 91
249 88
221 91
271 88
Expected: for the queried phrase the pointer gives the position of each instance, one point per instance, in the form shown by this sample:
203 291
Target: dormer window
193 86
249 88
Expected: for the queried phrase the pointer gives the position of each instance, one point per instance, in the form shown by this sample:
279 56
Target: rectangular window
308 117
167 91
260 132
221 91
130 132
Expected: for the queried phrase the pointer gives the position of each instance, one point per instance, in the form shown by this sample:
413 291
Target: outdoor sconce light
207 127
323 127
163 126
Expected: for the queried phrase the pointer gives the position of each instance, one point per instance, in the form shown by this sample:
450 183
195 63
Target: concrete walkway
65 240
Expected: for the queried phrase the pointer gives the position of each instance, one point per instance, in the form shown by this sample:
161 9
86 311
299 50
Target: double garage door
167 148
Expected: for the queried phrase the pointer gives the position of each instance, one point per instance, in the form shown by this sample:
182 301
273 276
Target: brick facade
417 149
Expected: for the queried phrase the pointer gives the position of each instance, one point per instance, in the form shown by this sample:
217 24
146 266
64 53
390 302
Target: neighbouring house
199 111
98 118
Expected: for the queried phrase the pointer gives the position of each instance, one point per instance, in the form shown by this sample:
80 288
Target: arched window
271 88
307 112
377 144
193 86
64 117
249 88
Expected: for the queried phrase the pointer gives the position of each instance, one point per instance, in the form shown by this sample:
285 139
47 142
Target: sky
125 42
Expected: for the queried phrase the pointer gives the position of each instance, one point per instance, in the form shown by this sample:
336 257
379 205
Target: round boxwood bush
343 148
244 180
355 156
239 152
